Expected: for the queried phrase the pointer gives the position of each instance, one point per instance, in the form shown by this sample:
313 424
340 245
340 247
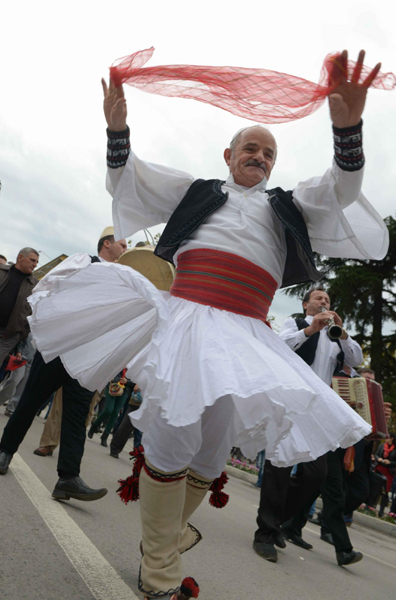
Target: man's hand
387 410
123 380
114 106
349 97
18 355
321 320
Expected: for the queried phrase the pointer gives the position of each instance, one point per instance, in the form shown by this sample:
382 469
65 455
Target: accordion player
364 396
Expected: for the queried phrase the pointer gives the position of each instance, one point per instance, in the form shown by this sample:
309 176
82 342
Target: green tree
363 293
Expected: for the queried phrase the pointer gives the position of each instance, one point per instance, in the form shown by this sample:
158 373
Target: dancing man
212 372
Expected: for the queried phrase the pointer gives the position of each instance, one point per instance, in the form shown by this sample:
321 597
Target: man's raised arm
118 142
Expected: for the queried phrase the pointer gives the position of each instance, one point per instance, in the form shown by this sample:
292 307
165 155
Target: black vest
204 197
308 350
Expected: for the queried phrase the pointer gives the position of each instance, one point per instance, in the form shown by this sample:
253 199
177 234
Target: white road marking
101 578
382 562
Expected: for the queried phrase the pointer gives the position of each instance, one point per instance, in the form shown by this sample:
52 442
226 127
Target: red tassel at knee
219 499
129 487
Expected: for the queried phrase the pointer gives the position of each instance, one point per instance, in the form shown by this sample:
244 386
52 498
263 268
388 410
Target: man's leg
205 446
358 482
44 379
117 407
122 434
303 490
50 437
273 496
76 403
281 497
13 403
333 495
8 387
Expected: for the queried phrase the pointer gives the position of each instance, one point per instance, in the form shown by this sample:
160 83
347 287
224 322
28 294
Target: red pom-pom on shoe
189 588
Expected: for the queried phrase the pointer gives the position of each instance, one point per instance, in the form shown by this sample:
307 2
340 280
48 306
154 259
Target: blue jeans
260 461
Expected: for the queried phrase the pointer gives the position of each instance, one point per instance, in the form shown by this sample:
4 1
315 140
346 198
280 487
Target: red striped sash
224 280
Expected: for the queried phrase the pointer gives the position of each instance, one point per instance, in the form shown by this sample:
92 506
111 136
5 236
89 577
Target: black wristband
118 148
348 147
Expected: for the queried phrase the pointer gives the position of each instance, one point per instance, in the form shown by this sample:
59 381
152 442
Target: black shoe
327 537
266 551
103 439
296 539
93 429
314 520
280 541
5 460
348 558
114 454
77 489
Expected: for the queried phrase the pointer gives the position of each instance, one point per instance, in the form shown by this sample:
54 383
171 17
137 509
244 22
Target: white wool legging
204 446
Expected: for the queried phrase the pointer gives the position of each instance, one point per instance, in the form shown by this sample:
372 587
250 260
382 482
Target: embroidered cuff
118 148
348 147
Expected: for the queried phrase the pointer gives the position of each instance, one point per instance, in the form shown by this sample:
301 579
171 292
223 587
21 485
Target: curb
359 518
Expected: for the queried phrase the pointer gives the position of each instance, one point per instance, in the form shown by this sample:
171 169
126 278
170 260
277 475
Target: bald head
251 155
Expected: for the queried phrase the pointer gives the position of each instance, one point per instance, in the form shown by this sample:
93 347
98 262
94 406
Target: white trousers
204 446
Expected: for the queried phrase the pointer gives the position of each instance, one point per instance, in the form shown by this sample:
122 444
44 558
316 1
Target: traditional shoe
5 460
266 551
296 539
44 451
114 454
77 489
327 537
348 558
103 439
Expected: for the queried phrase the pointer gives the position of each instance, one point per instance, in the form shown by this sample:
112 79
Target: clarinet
333 331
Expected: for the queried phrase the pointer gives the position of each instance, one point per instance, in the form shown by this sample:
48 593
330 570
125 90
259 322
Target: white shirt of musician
326 352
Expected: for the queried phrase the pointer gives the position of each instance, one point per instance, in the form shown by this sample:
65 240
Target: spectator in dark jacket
16 284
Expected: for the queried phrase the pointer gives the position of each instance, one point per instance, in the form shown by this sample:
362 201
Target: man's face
115 249
253 157
368 375
3 261
317 301
27 264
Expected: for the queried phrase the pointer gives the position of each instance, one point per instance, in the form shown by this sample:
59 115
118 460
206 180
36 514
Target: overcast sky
53 141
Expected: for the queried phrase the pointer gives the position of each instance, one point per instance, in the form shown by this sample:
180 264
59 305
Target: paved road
89 551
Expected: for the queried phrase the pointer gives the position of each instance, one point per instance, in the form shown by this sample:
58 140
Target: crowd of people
197 371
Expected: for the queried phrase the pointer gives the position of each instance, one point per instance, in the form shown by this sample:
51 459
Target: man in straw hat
212 373
44 380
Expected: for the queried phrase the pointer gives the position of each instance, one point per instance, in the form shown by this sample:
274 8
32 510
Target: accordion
364 396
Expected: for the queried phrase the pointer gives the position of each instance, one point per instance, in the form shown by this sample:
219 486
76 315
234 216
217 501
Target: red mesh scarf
258 94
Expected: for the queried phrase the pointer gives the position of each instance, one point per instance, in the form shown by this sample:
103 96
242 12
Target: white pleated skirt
184 356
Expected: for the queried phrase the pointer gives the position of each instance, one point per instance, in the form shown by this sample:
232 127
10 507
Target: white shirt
326 352
340 221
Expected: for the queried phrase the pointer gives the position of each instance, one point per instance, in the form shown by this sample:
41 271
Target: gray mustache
255 163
